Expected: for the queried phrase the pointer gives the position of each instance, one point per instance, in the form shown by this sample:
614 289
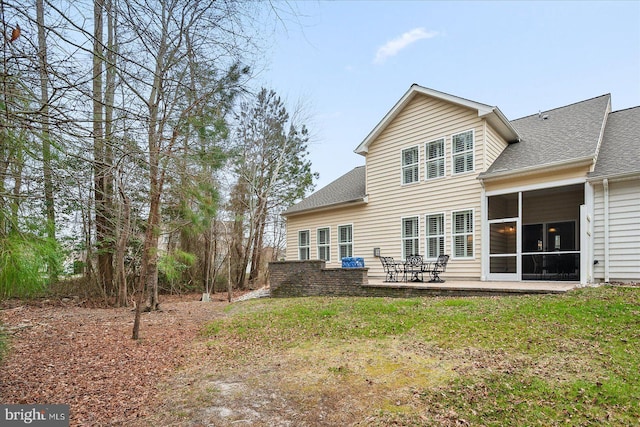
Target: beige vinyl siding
378 224
494 145
424 119
322 219
624 231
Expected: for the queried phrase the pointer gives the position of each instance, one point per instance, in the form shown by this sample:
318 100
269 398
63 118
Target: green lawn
568 359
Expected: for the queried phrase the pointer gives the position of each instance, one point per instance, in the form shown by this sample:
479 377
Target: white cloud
392 47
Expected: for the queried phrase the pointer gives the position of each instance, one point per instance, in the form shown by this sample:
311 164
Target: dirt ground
62 352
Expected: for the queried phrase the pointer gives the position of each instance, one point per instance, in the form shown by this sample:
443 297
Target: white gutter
346 203
547 167
605 184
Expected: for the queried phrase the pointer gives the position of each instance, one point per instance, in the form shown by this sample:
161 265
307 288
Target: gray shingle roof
568 133
620 151
349 188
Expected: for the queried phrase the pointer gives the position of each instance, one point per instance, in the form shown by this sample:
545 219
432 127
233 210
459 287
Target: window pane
435 235
458 164
410 165
410 174
410 227
463 233
463 142
462 146
324 244
410 156
303 238
435 149
345 233
435 168
469 162
435 224
323 236
345 241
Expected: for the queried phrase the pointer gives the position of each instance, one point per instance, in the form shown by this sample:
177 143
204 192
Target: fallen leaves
85 357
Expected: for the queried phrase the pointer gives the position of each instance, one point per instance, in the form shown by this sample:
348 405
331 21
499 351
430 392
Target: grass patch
525 360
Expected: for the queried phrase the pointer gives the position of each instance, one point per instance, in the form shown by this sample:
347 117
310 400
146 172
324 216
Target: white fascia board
363 148
359 201
583 161
627 176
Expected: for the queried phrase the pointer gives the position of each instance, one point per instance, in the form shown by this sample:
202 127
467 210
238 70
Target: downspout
484 234
605 185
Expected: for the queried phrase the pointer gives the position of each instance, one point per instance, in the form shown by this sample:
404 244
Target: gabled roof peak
493 114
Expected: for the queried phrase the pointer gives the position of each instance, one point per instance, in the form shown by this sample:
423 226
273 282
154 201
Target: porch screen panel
410 244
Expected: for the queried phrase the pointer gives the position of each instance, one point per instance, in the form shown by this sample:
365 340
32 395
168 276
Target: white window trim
318 245
402 238
472 151
454 234
308 246
444 233
343 244
427 160
402 166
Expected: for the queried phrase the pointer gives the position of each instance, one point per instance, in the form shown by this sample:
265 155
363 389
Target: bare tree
272 167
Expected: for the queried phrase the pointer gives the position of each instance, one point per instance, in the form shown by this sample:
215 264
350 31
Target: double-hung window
410 237
345 241
462 149
434 235
304 243
324 244
410 165
435 159
462 223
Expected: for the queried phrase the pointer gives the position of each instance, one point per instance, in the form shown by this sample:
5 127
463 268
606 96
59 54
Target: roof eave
499 122
564 164
615 176
353 202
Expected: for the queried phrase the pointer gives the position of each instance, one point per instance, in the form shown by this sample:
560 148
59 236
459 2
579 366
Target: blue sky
350 62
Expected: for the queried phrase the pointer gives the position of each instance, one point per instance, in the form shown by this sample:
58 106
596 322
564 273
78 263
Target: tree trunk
105 260
109 95
121 249
44 111
256 253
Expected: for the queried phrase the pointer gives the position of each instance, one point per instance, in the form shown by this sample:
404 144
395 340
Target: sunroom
534 234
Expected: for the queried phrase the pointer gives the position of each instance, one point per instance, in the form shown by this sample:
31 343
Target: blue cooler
352 262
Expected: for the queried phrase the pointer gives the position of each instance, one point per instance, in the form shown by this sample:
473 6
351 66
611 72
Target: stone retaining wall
311 278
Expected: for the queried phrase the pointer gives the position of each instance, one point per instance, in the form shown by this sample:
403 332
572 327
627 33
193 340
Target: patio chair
414 268
440 266
391 269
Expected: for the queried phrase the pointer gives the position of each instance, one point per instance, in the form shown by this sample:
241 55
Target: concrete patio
471 287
